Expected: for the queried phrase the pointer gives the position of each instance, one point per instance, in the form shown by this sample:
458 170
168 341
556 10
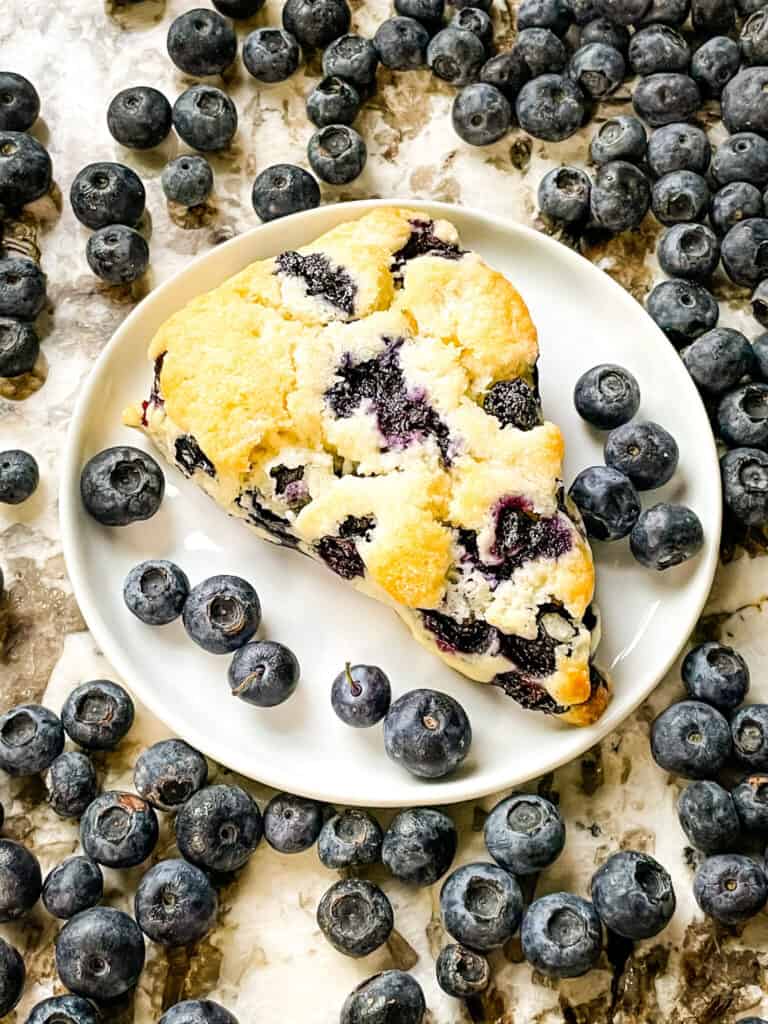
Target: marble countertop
266 960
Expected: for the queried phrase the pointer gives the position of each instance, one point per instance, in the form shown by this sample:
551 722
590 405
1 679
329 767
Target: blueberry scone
371 399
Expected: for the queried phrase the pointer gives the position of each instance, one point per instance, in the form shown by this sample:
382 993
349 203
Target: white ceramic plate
583 318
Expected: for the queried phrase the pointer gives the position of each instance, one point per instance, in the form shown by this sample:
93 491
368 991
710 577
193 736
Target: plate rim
451 791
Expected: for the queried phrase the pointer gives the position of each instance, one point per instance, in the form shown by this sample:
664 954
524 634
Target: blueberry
750 798
742 417
742 157
31 738
583 11
714 64
19 347
473 19
679 197
542 51
733 203
710 17
22 288
462 972
332 101
25 169
644 452
607 501
238 8
678 147
222 613
481 905
391 997
20 880
759 311
283 189
524 833
139 117
419 846
508 71
19 107
175 904
337 154
716 674
667 12
658 48
603 30
316 23
350 839
292 823
749 729
624 12
71 784
691 739
745 485
361 695
117 254
745 251
682 309
552 14
354 59
561 935
484 5
619 138
187 180
168 773
633 895
760 352
606 396
121 485
428 733
550 107
428 12
271 54
355 917
155 591
730 888
97 714
708 817
665 536
264 673
100 953
201 42
456 55
218 828
12 970
743 102
598 68
198 1011
481 114
514 402
205 118
75 885
19 477
665 98
119 830
620 196
563 195
754 38
67 1009
690 251
107 193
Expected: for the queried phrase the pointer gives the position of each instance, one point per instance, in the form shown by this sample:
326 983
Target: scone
372 400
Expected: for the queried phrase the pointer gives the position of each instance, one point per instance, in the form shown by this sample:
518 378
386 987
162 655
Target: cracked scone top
334 399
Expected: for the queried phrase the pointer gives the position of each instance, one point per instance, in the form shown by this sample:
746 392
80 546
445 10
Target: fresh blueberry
119 830
759 310
624 12
484 5
717 675
667 12
429 12
508 71
754 38
678 147
607 501
691 739
750 798
337 154
691 251
603 30
561 935
361 695
680 196
456 55
354 59
292 823
175 904
168 773
31 738
25 169
12 970
75 885
316 23
550 107
20 880
117 254
619 138
218 828
481 905
187 180
19 347
332 101
745 485
733 203
283 189
66 1009
708 817
22 288
428 733
198 1011
201 42
481 114
355 917
121 485
238 8
524 833
222 613
71 784
19 106
271 54
264 673
682 309
760 351
462 972
19 477
665 98
742 417
391 997
745 252
743 105
473 19
749 729
350 839
552 14
730 888
542 51
584 11
139 117
155 591
633 895
710 17
620 196
714 64
97 714
741 157
564 196
665 536
100 953
107 193
419 846
597 68
644 452
205 118
658 48
607 396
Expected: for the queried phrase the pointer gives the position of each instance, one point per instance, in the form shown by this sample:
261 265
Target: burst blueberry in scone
372 400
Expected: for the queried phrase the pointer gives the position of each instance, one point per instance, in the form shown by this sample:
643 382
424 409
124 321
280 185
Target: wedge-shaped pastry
371 399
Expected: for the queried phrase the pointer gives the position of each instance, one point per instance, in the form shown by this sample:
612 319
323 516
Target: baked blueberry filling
321 278
290 486
471 637
265 518
528 694
514 403
423 242
155 398
190 456
357 526
340 555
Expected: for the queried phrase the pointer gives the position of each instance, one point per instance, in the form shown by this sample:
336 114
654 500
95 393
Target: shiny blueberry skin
564 195
97 714
264 673
561 935
709 17
658 48
429 12
168 773
332 101
633 895
743 102
760 344
238 8
620 196
583 11
714 64
350 839
198 1011
19 106
716 674
155 591
745 484
12 970
75 885
644 452
690 251
292 823
66 1009
682 309
121 485
401 44
117 254
742 416
316 23
524 833
607 396
508 71
107 193
741 157
552 14
419 845
603 30
25 169
283 189
749 729
733 203
19 347
607 501
542 51
754 39
139 117
354 59
337 154
456 55
361 695
679 197
100 953
428 733
624 12
678 147
481 905
665 536
708 817
550 107
745 250
71 784
175 904
619 138
19 477
750 798
119 830
222 613
187 180
462 972
691 739
474 19
218 828
391 997
730 888
665 98
22 288
20 880
271 54
597 68
31 738
201 42
481 114
355 917
205 118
